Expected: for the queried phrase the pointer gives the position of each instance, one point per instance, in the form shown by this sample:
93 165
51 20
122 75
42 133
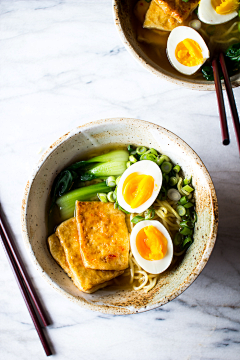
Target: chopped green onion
149 214
194 218
116 205
186 231
116 155
162 159
141 150
110 196
183 200
129 164
187 181
137 219
181 210
187 188
166 167
130 148
189 196
187 223
150 157
132 159
177 168
111 181
173 194
187 242
133 152
173 181
117 180
165 177
102 197
188 205
153 151
177 239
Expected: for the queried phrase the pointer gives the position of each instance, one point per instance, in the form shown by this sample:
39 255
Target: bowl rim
108 309
152 67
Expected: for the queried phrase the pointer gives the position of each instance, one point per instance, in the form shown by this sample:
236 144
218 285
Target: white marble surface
62 64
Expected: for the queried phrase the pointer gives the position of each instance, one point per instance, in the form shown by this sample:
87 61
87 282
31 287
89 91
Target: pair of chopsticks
28 292
221 107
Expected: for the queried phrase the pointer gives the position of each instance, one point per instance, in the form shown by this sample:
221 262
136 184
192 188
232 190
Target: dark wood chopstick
231 99
220 100
25 293
21 268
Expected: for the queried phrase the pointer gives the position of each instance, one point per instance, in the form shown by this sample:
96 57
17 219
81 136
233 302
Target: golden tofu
103 236
86 280
156 18
178 9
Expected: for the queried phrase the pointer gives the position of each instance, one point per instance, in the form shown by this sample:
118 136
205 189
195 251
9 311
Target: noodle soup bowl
76 145
124 20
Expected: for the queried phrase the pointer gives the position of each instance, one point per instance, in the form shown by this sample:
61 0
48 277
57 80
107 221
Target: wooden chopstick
25 294
22 270
231 99
221 107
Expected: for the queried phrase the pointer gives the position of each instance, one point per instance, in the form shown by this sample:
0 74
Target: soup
97 203
218 37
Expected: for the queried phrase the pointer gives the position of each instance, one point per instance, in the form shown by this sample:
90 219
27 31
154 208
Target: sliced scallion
187 188
132 159
173 181
187 223
117 180
188 205
166 167
137 219
187 242
149 214
187 181
173 194
129 164
110 196
186 231
153 151
178 238
183 200
111 181
181 210
148 156
177 168
162 159
141 150
102 197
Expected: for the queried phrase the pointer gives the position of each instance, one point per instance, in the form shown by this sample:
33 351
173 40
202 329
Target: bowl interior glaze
123 12
70 148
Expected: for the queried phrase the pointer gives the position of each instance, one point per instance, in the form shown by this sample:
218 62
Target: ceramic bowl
123 13
72 146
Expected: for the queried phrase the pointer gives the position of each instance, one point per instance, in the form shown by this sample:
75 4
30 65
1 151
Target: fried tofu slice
65 249
103 236
156 18
178 9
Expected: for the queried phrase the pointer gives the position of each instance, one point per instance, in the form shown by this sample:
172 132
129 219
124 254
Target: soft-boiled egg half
186 50
139 186
151 246
217 11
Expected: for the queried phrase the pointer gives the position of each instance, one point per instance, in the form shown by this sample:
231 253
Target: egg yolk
137 189
223 7
189 53
151 243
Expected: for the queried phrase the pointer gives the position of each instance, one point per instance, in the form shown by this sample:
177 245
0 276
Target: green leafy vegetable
66 203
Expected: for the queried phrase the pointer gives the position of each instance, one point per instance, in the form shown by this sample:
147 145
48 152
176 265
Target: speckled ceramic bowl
68 149
123 12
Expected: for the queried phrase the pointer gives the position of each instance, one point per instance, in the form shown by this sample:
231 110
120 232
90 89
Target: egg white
179 34
208 15
152 266
144 167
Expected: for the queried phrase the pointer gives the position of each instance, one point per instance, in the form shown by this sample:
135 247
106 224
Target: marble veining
62 65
